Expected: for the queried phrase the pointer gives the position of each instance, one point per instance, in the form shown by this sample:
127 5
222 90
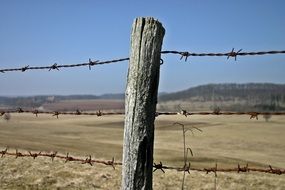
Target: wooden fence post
140 103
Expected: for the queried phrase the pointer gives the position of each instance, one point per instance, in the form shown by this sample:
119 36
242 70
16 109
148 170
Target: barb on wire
92 63
242 169
253 115
53 67
186 168
88 161
24 68
56 114
52 155
68 158
99 113
185 54
3 152
214 170
34 155
18 154
112 163
234 54
158 167
275 171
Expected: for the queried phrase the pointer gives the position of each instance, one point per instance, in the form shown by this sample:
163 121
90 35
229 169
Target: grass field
226 140
86 105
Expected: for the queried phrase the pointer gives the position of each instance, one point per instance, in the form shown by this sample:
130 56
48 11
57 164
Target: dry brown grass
225 140
85 105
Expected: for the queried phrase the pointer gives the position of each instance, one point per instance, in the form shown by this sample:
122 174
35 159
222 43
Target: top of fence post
141 98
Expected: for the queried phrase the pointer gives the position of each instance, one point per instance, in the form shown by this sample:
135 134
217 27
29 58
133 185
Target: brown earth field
225 140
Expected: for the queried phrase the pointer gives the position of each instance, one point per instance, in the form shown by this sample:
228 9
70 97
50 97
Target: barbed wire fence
55 66
184 55
157 167
101 113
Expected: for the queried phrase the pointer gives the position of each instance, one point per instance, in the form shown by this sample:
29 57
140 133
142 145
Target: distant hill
260 96
235 97
37 101
211 92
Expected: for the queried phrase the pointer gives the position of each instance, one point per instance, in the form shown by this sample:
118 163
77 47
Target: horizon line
121 93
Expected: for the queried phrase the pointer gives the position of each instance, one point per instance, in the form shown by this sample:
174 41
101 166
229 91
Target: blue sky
39 33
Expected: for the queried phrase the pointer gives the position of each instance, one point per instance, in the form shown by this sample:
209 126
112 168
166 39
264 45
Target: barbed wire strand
252 114
184 54
57 113
55 66
160 166
54 155
100 113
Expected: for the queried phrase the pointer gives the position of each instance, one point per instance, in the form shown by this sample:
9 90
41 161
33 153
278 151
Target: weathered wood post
140 103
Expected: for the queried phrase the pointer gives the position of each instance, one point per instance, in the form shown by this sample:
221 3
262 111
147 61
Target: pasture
227 140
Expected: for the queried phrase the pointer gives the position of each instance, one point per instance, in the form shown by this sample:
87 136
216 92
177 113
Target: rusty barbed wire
88 160
184 54
216 169
251 114
57 113
232 53
55 66
101 113
53 155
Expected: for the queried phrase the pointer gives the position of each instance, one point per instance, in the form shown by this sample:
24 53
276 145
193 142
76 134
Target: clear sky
39 33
